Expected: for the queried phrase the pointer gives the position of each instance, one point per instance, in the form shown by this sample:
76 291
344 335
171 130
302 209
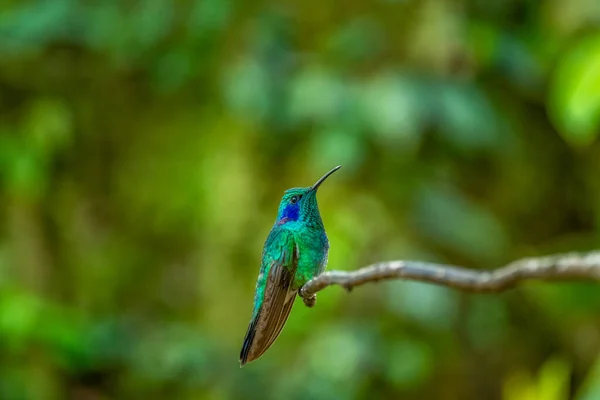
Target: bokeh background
144 146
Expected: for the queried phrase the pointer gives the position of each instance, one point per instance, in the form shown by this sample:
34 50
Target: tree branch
559 267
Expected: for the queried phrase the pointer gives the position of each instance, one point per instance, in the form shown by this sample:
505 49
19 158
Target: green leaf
19 313
574 101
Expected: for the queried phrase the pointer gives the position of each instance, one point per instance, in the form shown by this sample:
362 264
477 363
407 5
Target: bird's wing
278 297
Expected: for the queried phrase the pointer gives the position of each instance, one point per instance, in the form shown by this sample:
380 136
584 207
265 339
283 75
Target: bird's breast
313 250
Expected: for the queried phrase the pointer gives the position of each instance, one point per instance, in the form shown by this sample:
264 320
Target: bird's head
300 204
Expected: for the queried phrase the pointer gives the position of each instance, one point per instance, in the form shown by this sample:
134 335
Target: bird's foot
310 301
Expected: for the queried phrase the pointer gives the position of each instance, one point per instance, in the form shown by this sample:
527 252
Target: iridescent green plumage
295 252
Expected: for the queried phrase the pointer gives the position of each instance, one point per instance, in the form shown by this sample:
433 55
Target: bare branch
560 267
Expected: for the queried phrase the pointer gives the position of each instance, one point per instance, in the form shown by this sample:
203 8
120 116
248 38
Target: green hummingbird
295 251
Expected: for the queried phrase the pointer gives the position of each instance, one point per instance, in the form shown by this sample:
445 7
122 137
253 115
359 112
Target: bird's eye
294 199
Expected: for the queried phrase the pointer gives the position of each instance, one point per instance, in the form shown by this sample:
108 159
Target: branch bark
558 267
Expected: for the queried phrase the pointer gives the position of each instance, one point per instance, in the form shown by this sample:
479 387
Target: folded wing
279 296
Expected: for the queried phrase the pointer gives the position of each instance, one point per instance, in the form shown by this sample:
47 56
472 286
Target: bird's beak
318 183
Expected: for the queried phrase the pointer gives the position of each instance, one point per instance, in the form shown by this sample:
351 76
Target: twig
560 267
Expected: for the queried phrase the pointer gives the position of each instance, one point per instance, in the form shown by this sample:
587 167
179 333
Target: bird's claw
310 301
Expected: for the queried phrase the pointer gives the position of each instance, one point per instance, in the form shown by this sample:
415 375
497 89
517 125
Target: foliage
144 146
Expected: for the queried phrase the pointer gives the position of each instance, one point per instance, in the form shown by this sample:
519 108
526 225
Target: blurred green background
144 146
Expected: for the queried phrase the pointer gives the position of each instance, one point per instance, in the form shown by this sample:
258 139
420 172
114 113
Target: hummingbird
295 251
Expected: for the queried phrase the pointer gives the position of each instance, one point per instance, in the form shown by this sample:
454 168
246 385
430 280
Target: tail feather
248 340
264 330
